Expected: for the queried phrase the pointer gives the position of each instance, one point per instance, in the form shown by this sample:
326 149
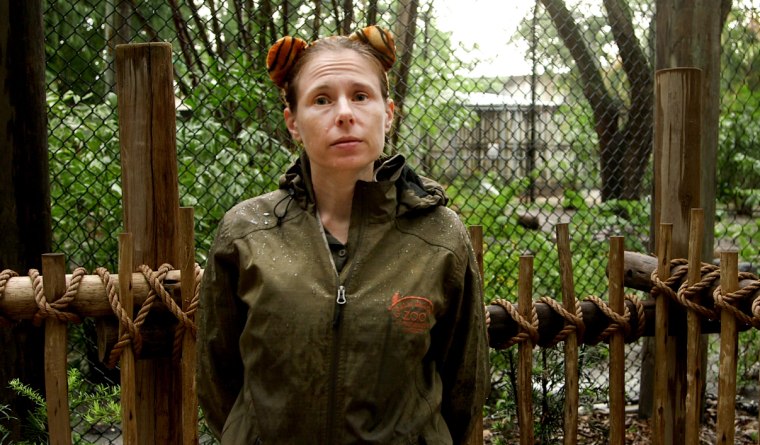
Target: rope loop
155 280
617 322
688 295
56 309
573 321
130 333
528 329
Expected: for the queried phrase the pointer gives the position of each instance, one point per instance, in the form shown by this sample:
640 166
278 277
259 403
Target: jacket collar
396 190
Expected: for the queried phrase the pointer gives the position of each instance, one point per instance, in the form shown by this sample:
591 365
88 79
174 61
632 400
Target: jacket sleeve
220 323
465 369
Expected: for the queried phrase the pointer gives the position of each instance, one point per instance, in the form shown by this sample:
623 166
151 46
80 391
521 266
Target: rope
617 321
5 276
57 308
157 291
528 329
130 333
688 294
573 322
731 302
155 280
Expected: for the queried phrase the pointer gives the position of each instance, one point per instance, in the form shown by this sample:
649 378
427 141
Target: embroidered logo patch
412 314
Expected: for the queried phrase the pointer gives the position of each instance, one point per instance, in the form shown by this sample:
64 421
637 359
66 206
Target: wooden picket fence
158 397
705 293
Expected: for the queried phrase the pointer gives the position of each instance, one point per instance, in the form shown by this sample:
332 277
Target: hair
335 43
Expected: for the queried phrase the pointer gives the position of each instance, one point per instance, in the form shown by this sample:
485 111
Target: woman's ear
389 108
290 122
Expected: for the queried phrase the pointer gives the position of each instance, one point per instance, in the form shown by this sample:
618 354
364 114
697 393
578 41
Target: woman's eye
360 97
321 100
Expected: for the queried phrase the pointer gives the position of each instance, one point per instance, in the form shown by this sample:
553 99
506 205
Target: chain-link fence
560 133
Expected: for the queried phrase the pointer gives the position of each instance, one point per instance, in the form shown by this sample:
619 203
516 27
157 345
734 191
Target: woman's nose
345 112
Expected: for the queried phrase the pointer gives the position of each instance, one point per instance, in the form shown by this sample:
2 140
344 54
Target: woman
345 307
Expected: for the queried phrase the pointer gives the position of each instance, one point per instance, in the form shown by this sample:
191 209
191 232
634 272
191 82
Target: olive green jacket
392 350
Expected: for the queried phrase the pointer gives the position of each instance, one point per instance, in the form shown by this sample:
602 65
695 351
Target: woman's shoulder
439 226
252 214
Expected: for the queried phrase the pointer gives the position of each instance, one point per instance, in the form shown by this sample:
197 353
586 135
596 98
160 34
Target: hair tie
282 56
381 40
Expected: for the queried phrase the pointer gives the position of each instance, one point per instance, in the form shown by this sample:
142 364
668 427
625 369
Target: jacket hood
412 192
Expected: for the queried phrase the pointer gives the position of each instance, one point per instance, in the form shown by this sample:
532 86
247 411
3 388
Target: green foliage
88 405
590 228
85 178
5 415
738 167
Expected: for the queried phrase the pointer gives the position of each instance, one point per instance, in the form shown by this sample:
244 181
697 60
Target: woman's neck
334 195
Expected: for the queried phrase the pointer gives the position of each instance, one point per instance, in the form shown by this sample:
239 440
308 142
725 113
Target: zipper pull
340 301
341 295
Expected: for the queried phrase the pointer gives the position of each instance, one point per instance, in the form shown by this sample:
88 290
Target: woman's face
342 117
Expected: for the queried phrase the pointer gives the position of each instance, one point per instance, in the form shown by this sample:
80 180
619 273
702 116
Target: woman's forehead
338 64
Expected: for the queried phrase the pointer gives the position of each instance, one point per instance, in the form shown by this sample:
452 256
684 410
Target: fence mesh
554 125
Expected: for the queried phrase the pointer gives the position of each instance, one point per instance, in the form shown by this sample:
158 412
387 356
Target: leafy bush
89 405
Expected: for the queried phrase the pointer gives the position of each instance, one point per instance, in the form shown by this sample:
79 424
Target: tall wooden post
147 132
677 164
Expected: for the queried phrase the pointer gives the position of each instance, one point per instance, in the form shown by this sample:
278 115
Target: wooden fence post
476 239
56 348
677 163
525 353
662 418
147 132
570 420
187 277
729 282
617 343
127 363
694 347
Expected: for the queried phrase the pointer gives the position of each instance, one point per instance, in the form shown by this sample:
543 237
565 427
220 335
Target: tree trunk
688 34
25 221
118 31
372 12
637 131
348 17
603 106
406 30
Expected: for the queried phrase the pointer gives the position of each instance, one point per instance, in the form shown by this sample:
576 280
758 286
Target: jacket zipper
340 301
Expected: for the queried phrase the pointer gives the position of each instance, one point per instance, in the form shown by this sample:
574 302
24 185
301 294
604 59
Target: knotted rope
57 308
157 292
710 275
130 334
528 329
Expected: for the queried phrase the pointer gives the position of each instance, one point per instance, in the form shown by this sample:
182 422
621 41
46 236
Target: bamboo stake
127 362
662 425
617 344
525 353
729 277
570 422
187 364
56 335
694 333
476 239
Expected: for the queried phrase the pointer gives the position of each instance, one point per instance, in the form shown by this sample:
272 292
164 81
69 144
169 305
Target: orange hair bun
282 56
